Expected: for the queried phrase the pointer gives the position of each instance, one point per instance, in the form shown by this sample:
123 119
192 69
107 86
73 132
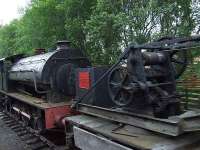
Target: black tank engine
51 75
39 89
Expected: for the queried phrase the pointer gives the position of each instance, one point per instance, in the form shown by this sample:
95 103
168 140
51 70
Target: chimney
63 45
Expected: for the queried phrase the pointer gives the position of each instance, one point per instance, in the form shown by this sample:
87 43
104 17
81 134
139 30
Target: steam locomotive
39 88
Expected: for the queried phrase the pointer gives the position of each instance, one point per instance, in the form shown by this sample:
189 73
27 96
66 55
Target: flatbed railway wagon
142 109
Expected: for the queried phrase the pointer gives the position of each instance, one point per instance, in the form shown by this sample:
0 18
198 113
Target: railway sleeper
9 122
32 141
6 118
23 133
1 117
14 123
19 130
16 127
26 137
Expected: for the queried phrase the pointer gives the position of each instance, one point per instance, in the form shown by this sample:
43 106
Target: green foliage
102 28
8 38
42 24
104 32
77 12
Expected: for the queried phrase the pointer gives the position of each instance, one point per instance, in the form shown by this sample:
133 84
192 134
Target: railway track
32 139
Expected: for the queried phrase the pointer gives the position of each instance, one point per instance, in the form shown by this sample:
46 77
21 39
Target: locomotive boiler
51 74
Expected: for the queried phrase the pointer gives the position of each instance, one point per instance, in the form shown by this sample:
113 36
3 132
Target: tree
77 12
43 24
102 28
104 32
115 24
8 39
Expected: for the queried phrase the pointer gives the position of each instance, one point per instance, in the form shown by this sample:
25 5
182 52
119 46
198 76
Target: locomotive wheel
118 78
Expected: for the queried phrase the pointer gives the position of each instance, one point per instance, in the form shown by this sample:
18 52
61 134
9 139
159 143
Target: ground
8 139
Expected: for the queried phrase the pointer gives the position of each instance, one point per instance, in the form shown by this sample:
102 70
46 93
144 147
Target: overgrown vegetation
100 27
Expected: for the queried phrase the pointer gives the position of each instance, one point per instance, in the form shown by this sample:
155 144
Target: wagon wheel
117 80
